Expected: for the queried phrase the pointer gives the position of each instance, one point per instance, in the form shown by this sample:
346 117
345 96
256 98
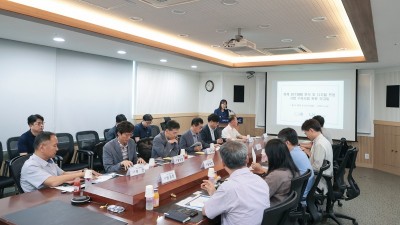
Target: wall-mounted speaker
392 96
238 93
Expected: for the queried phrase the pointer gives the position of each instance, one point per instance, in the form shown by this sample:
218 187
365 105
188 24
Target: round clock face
209 85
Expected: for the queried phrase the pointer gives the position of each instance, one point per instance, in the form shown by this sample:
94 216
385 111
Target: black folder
178 216
59 213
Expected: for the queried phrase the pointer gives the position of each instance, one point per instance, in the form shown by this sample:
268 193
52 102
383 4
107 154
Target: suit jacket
206 135
162 148
111 134
112 155
186 141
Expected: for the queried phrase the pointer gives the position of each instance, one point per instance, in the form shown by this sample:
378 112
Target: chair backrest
65 147
155 130
1 155
299 184
87 139
15 169
12 147
278 214
105 132
352 189
341 170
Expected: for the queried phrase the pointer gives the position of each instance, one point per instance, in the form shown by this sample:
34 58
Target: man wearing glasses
25 142
120 153
143 129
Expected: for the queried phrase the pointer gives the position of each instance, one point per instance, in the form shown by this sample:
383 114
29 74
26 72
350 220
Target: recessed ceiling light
229 2
341 49
136 19
220 30
286 40
183 35
332 36
163 60
264 26
178 12
194 66
58 39
122 52
215 46
319 19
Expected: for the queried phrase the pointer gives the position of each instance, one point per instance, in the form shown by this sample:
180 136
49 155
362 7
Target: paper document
196 144
194 202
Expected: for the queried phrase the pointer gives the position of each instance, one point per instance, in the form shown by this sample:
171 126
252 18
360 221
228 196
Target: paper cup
183 152
152 162
88 174
211 172
149 191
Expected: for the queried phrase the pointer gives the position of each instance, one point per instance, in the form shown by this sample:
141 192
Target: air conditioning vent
287 50
166 3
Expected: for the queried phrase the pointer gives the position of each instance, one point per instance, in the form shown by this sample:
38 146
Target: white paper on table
103 178
65 188
253 155
195 202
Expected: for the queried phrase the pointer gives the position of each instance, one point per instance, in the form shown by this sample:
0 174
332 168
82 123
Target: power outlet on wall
366 156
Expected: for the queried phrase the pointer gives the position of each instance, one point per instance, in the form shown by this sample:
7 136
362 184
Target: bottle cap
183 152
211 172
88 174
212 146
151 162
149 191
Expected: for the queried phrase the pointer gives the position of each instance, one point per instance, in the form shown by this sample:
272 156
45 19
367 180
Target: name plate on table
135 170
258 147
207 164
178 159
167 177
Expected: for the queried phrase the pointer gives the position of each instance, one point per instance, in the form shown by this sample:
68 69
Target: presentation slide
298 101
295 96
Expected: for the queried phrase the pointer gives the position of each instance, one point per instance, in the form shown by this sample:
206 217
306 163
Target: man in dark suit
209 133
192 136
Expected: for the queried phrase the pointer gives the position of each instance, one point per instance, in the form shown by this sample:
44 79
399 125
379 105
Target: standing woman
222 110
281 170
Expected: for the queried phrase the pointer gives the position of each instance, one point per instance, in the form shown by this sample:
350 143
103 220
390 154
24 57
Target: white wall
384 77
208 101
72 91
163 90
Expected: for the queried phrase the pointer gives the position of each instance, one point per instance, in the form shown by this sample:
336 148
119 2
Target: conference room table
128 191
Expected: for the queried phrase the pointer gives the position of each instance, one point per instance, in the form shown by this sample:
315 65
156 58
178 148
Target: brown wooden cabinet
387 146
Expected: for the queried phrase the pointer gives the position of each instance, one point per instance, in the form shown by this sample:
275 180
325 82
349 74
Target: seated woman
281 170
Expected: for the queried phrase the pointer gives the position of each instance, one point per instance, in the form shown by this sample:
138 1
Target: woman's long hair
222 101
279 157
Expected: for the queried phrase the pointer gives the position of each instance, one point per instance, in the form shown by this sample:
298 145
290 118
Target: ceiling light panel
166 3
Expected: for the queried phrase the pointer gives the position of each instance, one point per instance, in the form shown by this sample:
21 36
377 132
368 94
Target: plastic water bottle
211 175
149 194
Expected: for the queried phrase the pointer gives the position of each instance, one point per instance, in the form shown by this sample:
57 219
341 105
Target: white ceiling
287 19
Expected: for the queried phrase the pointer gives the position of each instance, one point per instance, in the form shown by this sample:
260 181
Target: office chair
163 124
5 181
144 148
105 132
12 147
155 130
312 209
97 162
335 195
277 215
298 185
66 152
15 170
86 141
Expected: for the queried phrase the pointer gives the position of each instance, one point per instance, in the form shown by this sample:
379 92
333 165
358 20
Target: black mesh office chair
12 147
87 140
105 133
299 185
5 181
144 148
66 151
277 215
341 188
98 157
155 130
312 209
164 124
15 169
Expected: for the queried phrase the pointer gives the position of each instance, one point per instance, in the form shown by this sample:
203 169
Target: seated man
120 153
165 144
40 171
209 134
300 159
307 145
112 133
321 149
230 132
25 142
192 136
241 199
143 129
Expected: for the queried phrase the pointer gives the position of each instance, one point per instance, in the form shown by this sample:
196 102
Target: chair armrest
6 166
90 155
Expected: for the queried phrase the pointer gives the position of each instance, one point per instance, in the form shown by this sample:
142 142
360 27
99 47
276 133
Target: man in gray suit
192 136
120 153
165 144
